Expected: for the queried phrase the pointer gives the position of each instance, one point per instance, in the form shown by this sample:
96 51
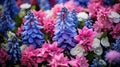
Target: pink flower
116 8
3 57
96 1
93 10
59 61
79 62
48 24
113 56
40 15
103 23
116 31
85 38
28 57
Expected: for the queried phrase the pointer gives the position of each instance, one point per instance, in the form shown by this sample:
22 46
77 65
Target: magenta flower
116 8
116 31
79 62
48 24
28 57
3 57
113 56
85 38
59 61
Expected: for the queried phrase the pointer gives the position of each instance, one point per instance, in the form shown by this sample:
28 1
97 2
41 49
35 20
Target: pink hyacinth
112 56
79 62
116 31
85 38
59 61
28 57
116 8
3 57
48 24
40 15
96 1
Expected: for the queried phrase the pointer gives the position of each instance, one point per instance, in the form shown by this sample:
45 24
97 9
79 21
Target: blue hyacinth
65 30
44 4
97 63
74 16
10 8
108 2
61 1
89 23
32 34
82 3
116 45
14 50
6 24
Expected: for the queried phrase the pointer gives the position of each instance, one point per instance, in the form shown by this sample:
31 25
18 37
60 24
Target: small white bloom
103 62
10 34
82 16
77 50
98 50
49 13
22 13
4 46
115 16
25 6
23 47
105 42
96 43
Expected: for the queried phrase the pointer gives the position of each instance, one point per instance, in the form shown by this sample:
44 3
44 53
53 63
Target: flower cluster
31 34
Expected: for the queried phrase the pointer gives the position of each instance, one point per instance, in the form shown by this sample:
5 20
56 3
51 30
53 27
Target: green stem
109 65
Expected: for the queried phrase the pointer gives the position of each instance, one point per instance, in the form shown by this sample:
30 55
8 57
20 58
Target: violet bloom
65 30
31 34
113 57
85 38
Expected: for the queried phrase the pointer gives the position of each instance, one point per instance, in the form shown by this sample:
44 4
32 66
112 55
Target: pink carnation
112 56
116 8
48 24
116 31
85 38
28 57
59 61
3 57
79 62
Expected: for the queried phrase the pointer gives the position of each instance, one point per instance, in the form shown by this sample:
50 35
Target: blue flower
74 16
82 3
89 23
65 30
10 8
6 24
44 4
116 45
14 50
97 63
108 2
61 1
32 34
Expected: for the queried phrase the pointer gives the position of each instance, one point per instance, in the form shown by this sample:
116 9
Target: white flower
98 50
23 47
10 34
105 42
4 46
25 6
103 62
77 50
82 16
115 17
98 35
49 13
96 43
